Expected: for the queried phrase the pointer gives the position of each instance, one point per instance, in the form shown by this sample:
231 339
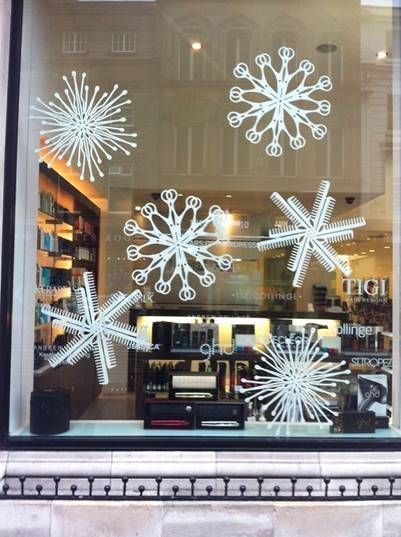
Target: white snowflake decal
96 328
294 381
83 126
182 241
311 233
278 102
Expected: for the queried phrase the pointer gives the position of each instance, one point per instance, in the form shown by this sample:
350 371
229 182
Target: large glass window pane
205 216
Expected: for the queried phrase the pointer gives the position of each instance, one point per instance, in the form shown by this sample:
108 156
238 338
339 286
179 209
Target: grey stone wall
231 519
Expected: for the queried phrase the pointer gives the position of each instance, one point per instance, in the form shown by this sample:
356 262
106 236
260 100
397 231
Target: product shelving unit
191 357
65 222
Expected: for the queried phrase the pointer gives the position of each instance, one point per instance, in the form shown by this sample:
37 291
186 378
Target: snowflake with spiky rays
311 233
177 245
84 126
280 102
295 383
95 328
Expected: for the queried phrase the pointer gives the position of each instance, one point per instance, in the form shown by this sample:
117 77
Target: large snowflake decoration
311 233
295 383
83 126
280 101
180 241
96 328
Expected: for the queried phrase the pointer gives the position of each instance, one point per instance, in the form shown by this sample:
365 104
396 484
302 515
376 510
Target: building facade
200 262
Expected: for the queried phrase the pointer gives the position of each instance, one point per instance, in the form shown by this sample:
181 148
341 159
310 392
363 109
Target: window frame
101 443
79 37
124 34
236 32
188 35
189 154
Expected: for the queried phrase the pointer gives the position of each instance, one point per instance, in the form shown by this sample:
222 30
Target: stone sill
204 463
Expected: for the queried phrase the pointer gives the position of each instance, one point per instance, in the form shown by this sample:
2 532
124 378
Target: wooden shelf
42 326
52 220
207 311
82 263
193 355
70 205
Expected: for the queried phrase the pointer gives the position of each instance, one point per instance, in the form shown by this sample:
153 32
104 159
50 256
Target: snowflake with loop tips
83 126
175 240
311 233
294 381
95 328
281 105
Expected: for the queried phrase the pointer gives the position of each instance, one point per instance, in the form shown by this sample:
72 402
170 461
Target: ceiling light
372 251
368 238
137 207
196 45
382 55
387 247
326 48
363 253
229 196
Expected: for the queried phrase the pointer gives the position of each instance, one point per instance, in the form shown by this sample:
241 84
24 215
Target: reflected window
237 49
330 59
285 165
74 42
191 57
189 149
235 154
123 42
121 169
329 154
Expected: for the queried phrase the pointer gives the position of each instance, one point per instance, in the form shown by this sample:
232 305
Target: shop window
123 42
74 42
216 296
189 149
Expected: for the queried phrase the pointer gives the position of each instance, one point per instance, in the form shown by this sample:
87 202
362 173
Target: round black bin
50 411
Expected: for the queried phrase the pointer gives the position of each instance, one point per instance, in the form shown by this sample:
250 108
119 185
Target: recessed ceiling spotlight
372 251
387 247
363 253
368 238
382 55
229 195
196 45
137 207
326 48
180 195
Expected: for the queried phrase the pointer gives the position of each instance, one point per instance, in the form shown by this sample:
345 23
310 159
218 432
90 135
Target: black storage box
194 386
220 415
161 336
353 422
164 414
50 411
